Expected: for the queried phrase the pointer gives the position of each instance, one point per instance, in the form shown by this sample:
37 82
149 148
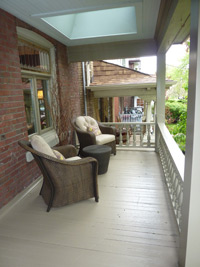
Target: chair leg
97 199
41 188
51 198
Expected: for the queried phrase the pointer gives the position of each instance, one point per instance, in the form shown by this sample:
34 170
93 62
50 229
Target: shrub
178 130
174 109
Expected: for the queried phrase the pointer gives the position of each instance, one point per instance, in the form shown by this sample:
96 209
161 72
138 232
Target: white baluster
141 136
134 136
148 136
127 136
120 135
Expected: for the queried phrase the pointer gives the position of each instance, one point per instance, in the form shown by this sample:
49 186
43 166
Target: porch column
160 87
145 110
148 111
190 234
155 111
160 93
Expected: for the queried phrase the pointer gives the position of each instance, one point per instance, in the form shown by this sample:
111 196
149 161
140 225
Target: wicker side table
101 153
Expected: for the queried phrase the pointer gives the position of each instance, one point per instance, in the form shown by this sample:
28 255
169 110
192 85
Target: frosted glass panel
117 21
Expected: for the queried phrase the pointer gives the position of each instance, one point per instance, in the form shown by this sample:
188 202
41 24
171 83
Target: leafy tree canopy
180 74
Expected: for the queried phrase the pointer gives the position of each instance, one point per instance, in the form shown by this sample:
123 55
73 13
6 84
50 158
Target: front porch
132 225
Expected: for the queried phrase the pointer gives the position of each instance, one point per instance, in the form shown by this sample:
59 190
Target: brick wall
15 173
68 77
140 102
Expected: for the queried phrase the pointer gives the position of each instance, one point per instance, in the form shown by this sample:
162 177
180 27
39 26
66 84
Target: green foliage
182 122
178 129
179 74
174 109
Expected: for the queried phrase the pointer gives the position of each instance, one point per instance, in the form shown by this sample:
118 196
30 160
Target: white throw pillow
58 154
83 122
61 157
39 144
94 129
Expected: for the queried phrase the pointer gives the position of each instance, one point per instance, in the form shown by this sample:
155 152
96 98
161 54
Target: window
33 57
37 107
37 60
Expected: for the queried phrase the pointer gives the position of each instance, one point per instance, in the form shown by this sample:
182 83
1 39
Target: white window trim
50 136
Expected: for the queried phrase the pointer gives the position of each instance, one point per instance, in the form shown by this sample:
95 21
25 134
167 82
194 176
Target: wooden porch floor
132 225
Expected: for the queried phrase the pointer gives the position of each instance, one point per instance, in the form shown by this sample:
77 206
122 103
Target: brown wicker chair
88 138
65 182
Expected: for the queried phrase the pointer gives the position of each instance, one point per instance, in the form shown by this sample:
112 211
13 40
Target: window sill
50 137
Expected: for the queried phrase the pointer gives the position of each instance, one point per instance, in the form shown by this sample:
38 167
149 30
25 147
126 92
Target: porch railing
142 135
134 134
172 160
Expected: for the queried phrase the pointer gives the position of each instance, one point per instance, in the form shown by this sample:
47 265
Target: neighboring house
116 88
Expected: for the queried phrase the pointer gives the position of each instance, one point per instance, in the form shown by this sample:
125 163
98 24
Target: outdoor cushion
104 139
83 122
61 157
39 144
94 129
58 155
73 158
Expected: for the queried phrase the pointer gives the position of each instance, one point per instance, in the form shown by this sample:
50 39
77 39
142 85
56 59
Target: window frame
34 78
48 134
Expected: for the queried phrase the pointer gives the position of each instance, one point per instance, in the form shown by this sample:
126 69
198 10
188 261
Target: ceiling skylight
102 23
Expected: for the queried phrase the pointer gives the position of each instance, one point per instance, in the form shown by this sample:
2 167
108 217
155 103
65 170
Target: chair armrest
107 129
60 169
67 150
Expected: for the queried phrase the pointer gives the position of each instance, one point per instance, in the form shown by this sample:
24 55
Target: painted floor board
132 225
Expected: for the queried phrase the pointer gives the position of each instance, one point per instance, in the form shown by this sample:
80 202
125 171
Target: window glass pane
43 101
29 105
33 57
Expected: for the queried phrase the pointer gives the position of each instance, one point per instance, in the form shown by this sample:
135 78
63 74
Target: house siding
15 173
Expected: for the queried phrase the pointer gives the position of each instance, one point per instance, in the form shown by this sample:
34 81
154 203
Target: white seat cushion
73 158
104 139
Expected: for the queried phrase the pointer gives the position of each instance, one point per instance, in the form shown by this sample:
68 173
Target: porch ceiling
75 22
142 26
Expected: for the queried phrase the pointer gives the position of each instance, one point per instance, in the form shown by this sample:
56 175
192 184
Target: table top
97 149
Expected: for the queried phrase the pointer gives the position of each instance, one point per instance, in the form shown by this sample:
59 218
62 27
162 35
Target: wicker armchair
65 182
89 138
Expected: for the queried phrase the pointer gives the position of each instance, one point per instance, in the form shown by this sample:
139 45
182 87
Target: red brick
13 120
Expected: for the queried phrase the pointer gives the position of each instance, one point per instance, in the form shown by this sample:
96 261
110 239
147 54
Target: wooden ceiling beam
125 49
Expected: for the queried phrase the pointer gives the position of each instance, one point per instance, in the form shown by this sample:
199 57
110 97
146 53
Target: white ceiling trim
118 4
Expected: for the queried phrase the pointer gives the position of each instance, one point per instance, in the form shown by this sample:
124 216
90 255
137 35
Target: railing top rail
129 123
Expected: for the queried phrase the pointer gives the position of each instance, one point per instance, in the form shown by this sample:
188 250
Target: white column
160 88
145 111
155 111
148 111
190 233
160 93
